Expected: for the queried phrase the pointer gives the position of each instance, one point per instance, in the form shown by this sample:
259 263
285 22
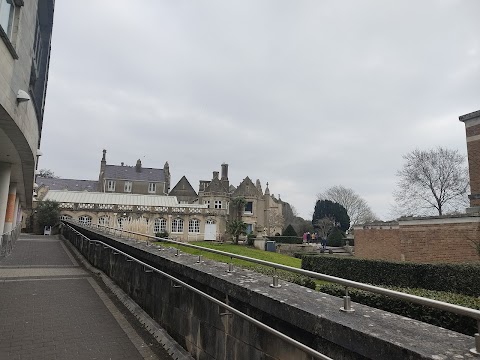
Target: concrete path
52 308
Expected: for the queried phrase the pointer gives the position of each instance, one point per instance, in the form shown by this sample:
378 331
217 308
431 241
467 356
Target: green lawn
250 252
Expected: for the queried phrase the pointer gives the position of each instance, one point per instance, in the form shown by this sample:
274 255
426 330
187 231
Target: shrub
335 238
47 214
458 278
250 239
289 231
163 234
286 239
423 313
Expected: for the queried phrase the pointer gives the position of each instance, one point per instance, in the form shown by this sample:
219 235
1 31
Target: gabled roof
183 188
247 188
67 184
215 186
117 172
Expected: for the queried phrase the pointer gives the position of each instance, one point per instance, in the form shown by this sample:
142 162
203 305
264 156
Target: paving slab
60 312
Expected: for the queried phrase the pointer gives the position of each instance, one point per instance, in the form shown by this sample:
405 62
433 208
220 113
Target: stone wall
441 239
307 316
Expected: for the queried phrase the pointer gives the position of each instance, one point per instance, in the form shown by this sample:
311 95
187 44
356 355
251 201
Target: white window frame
218 204
194 226
121 221
152 188
127 187
248 212
177 225
207 202
210 221
65 217
85 220
104 220
159 225
110 185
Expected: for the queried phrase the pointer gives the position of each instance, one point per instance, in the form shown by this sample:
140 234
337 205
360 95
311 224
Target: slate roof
183 188
68 184
130 173
247 188
215 186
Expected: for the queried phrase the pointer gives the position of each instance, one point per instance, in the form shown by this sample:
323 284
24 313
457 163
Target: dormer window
152 188
128 186
110 185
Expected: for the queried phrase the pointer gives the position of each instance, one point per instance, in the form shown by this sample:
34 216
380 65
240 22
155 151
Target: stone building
25 34
121 196
431 239
133 179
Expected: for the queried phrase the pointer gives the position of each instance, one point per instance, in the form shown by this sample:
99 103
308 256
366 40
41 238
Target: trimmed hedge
286 239
426 314
457 278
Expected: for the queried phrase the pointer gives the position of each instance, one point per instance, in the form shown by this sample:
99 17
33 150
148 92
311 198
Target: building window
128 186
7 14
152 188
177 226
122 221
85 220
248 208
110 185
249 228
210 221
207 202
160 225
218 204
104 220
65 217
194 226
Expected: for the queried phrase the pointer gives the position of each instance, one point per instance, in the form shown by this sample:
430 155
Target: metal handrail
6 247
229 308
460 310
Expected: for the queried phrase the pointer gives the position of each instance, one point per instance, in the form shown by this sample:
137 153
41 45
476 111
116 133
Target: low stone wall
441 239
291 249
310 317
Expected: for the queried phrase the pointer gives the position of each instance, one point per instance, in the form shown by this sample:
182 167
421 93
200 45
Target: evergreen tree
289 231
333 211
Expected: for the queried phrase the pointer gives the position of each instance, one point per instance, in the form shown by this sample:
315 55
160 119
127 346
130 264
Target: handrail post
199 259
230 266
275 283
347 305
476 350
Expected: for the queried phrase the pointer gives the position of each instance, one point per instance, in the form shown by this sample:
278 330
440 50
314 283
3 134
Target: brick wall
378 243
421 240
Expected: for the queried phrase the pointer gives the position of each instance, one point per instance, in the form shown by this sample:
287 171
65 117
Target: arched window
122 221
210 221
85 220
177 226
160 225
104 220
65 217
194 226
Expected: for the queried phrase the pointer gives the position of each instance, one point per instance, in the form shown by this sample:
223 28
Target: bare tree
357 208
324 226
276 221
47 173
433 181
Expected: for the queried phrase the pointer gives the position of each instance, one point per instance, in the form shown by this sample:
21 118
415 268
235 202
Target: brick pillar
472 129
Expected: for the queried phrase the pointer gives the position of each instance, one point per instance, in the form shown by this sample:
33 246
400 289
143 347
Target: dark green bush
251 239
163 234
457 278
286 239
335 238
426 314
289 231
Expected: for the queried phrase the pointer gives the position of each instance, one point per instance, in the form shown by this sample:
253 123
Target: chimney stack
215 175
224 171
138 167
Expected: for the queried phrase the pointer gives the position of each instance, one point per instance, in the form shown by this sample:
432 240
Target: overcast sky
302 94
